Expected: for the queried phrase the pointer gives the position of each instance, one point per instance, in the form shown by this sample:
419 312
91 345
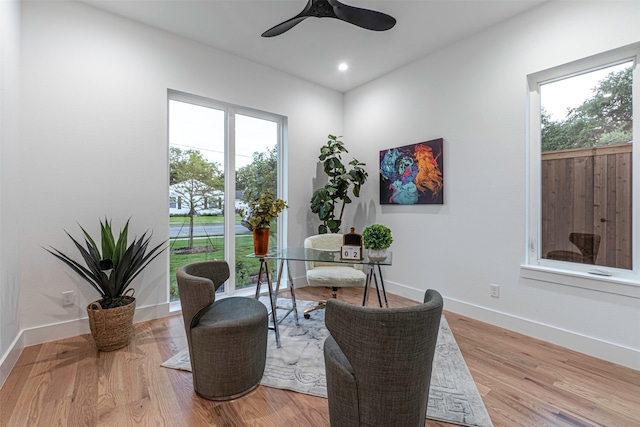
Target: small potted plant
111 272
377 239
258 217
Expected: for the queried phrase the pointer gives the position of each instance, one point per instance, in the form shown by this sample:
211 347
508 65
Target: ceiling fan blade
365 18
290 23
284 26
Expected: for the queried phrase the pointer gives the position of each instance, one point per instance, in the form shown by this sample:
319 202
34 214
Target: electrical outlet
495 290
68 298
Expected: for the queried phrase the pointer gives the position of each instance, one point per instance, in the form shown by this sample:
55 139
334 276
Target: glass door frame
230 112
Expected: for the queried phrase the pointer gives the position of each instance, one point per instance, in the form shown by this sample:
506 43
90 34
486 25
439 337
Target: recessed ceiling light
343 66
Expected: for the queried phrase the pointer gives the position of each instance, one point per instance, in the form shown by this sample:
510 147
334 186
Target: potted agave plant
110 272
257 218
377 239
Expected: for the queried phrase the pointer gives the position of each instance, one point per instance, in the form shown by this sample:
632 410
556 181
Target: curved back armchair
588 244
227 338
328 274
378 362
200 281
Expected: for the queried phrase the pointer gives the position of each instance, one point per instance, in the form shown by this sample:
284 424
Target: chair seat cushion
233 313
330 276
228 348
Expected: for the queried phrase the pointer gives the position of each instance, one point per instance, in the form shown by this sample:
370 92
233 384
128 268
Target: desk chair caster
321 305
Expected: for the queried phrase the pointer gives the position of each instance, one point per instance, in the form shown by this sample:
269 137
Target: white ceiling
313 49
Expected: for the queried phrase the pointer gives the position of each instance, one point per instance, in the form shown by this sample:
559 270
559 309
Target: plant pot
112 328
261 241
377 255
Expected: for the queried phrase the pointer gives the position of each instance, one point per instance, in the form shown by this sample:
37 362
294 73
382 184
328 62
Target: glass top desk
308 254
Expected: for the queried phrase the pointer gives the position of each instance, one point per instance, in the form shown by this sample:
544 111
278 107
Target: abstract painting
412 174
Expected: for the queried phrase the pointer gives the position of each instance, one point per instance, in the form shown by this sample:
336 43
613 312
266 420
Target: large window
583 189
221 157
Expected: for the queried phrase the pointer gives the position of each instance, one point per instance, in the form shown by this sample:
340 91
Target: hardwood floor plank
32 403
11 392
564 387
523 381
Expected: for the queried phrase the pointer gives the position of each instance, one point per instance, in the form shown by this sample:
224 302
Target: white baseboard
62 330
584 344
581 343
405 291
10 358
73 328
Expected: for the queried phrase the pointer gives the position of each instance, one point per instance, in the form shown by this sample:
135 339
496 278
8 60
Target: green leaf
128 262
89 241
108 244
324 200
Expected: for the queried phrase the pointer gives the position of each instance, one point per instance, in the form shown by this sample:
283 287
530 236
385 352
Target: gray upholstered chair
227 338
378 362
328 274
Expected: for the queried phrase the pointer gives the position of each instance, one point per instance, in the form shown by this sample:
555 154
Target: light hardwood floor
523 381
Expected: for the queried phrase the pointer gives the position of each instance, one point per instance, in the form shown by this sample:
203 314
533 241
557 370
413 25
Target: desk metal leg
293 293
384 292
294 308
258 285
367 283
375 279
372 275
264 269
272 298
273 295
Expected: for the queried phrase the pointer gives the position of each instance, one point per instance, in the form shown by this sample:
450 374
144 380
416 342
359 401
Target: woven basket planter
112 328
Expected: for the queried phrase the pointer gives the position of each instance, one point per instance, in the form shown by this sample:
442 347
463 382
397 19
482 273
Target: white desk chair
328 274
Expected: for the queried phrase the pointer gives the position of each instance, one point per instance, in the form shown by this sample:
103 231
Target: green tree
176 158
603 119
260 176
195 181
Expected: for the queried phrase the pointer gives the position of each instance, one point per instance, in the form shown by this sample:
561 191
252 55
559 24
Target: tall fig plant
334 195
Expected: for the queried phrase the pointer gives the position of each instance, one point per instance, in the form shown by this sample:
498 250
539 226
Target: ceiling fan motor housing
322 9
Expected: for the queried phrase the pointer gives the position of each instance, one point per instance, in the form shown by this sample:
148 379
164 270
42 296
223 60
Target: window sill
608 284
175 306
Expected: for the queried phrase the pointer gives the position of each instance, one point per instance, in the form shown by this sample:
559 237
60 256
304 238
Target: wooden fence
588 191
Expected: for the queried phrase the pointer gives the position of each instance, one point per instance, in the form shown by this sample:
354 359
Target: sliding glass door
221 156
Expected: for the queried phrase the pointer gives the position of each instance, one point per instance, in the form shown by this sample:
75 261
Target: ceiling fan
365 18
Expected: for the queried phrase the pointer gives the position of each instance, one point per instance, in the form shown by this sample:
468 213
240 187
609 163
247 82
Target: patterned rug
299 366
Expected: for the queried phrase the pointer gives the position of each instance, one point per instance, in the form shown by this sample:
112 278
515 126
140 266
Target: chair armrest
341 386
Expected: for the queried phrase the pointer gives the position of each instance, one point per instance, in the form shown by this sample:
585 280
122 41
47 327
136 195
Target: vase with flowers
258 216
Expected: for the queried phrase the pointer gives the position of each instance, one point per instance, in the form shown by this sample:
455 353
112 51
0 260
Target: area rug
299 366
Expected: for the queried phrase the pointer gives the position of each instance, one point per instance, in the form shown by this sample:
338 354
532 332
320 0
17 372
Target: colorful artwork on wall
412 174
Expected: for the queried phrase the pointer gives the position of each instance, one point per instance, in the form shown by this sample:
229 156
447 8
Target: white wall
95 141
473 94
10 221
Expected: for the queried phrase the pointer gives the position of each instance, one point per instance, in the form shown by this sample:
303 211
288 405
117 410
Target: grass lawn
246 268
204 219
